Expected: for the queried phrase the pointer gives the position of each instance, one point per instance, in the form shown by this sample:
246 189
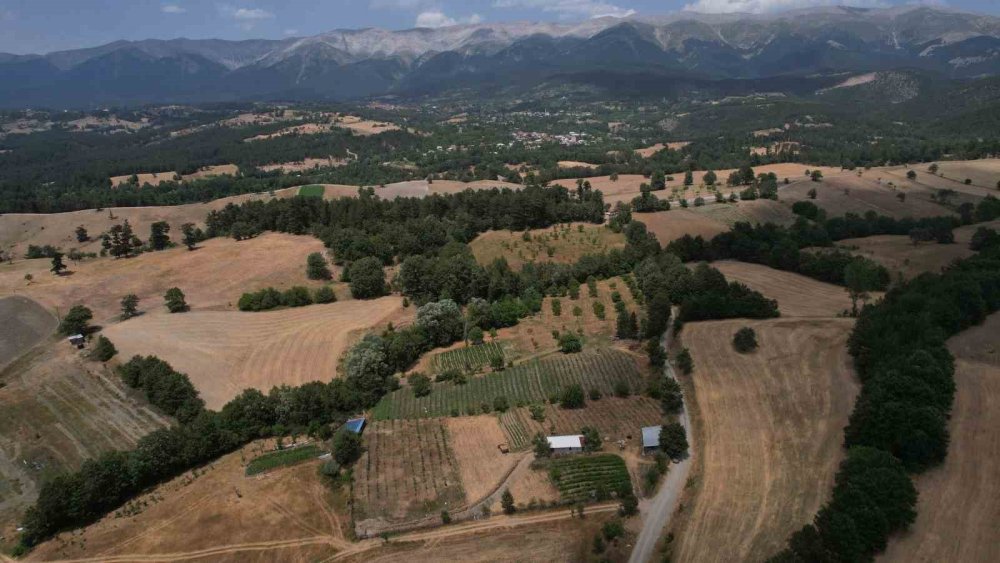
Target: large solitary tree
158 237
367 278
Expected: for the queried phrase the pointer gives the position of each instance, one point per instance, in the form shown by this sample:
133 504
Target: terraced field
534 381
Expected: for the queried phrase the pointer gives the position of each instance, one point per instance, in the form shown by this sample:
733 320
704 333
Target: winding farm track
347 549
657 513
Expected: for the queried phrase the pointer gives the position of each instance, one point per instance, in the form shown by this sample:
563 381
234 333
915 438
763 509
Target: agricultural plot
468 359
530 382
615 418
408 472
578 478
283 458
563 244
312 190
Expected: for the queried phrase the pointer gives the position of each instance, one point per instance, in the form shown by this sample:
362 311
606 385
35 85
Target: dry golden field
904 259
564 244
674 224
481 464
959 505
216 513
212 277
576 164
797 295
751 211
849 193
225 352
303 165
769 427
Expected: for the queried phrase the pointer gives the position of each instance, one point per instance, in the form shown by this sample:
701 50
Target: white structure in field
565 444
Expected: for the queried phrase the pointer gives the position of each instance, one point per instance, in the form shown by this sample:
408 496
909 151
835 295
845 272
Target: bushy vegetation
589 478
282 458
745 340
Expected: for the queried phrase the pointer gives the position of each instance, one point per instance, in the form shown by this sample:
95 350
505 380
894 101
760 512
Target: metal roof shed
651 437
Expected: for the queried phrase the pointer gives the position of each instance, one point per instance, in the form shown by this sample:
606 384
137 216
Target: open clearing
614 417
850 193
959 505
481 464
303 165
673 224
58 410
212 277
903 258
750 211
564 244
984 174
407 475
225 352
770 427
797 295
576 164
209 509
26 323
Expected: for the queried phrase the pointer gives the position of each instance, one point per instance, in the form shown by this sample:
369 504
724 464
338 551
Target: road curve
657 513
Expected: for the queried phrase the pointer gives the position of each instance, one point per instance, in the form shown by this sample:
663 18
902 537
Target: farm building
355 425
650 438
77 340
560 445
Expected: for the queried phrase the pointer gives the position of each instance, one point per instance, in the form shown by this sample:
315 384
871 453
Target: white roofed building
565 444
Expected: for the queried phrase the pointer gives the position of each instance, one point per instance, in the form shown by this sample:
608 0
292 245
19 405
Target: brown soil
769 429
674 224
26 323
959 505
212 277
211 509
225 352
797 295
481 464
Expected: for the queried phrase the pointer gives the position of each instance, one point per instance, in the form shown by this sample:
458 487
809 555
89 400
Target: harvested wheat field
984 174
60 409
26 323
213 171
614 417
304 129
797 295
407 475
769 427
750 211
212 277
216 513
907 260
649 151
564 244
481 465
674 224
564 164
959 505
361 126
151 178
303 165
225 352
850 193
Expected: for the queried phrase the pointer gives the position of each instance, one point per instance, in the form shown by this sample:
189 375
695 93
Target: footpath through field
657 512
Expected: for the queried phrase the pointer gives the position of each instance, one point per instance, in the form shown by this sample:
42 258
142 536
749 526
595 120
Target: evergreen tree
57 263
174 299
158 238
81 235
317 267
76 320
191 237
507 501
104 350
130 304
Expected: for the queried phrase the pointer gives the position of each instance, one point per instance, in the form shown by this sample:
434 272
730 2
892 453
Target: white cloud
252 14
569 9
764 6
437 18
172 9
291 32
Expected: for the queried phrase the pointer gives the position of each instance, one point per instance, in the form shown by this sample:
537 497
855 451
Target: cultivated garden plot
583 478
530 382
615 418
407 472
469 358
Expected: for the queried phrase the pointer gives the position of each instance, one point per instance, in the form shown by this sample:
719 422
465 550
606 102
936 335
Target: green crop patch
530 382
282 458
580 478
314 190
468 359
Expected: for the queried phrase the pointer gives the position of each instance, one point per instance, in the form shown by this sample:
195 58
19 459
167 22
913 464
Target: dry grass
563 244
769 427
151 178
797 295
26 323
212 277
850 193
952 175
303 165
212 171
751 211
407 473
481 465
647 152
225 352
959 505
576 164
363 126
907 260
674 224
532 485
57 411
304 129
218 511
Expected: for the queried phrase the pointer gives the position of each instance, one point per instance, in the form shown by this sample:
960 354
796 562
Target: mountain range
345 64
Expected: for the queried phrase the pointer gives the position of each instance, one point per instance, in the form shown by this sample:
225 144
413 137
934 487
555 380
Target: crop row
532 382
579 477
468 359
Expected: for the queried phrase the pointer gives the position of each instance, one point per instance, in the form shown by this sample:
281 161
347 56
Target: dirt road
657 513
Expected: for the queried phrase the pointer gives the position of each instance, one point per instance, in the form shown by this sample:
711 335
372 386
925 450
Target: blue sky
37 26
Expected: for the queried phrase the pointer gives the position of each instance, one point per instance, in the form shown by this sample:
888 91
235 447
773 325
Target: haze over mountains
345 64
